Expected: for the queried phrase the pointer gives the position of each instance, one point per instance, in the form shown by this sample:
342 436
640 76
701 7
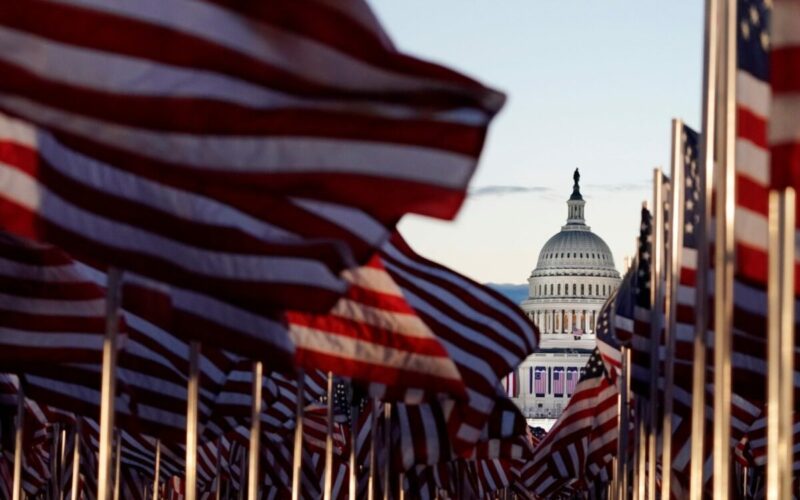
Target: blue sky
589 84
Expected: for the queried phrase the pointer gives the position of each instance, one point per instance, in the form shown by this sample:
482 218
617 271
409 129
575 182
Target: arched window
582 292
559 289
551 289
597 289
574 289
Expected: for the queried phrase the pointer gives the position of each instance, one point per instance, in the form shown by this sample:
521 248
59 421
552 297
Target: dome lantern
575 204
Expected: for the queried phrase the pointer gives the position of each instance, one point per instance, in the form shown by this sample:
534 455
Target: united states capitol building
574 275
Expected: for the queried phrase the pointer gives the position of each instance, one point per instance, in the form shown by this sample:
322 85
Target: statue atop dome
576 188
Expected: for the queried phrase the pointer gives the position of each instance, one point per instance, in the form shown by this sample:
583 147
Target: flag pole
354 430
373 456
706 175
641 481
328 473
255 432
157 471
656 319
387 448
62 460
673 267
193 387
18 435
76 460
117 462
780 343
724 256
622 437
787 338
108 384
297 458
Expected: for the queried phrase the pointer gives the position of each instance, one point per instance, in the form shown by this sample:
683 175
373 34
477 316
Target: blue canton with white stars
691 182
642 284
753 37
594 367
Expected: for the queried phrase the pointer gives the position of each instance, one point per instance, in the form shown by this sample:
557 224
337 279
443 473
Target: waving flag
579 443
485 334
784 127
247 154
375 337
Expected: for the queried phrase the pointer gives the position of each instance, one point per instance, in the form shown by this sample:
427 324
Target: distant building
573 277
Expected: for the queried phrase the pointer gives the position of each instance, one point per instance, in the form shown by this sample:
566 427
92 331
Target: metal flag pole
193 387
700 345
62 459
76 460
297 459
611 491
108 384
402 493
20 424
656 319
353 472
724 256
117 462
673 267
780 343
787 339
641 481
255 432
157 471
387 448
373 454
622 437
327 480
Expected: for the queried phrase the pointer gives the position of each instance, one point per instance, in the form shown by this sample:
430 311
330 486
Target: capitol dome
574 275
575 249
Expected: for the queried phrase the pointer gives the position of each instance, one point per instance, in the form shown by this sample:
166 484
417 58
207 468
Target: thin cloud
505 190
617 188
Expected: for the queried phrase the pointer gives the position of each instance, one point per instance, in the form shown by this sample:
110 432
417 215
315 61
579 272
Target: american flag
607 342
375 337
572 379
486 335
784 127
640 340
583 438
539 381
252 148
558 381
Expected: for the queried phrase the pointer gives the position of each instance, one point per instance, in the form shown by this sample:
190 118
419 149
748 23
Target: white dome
573 249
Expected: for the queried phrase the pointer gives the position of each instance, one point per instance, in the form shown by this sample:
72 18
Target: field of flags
203 293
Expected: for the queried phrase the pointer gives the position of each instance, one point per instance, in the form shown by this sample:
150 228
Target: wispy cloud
504 190
617 188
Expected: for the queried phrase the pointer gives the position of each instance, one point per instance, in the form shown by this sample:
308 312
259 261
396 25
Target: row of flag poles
203 293
708 346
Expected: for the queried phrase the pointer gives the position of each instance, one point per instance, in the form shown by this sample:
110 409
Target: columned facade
574 275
